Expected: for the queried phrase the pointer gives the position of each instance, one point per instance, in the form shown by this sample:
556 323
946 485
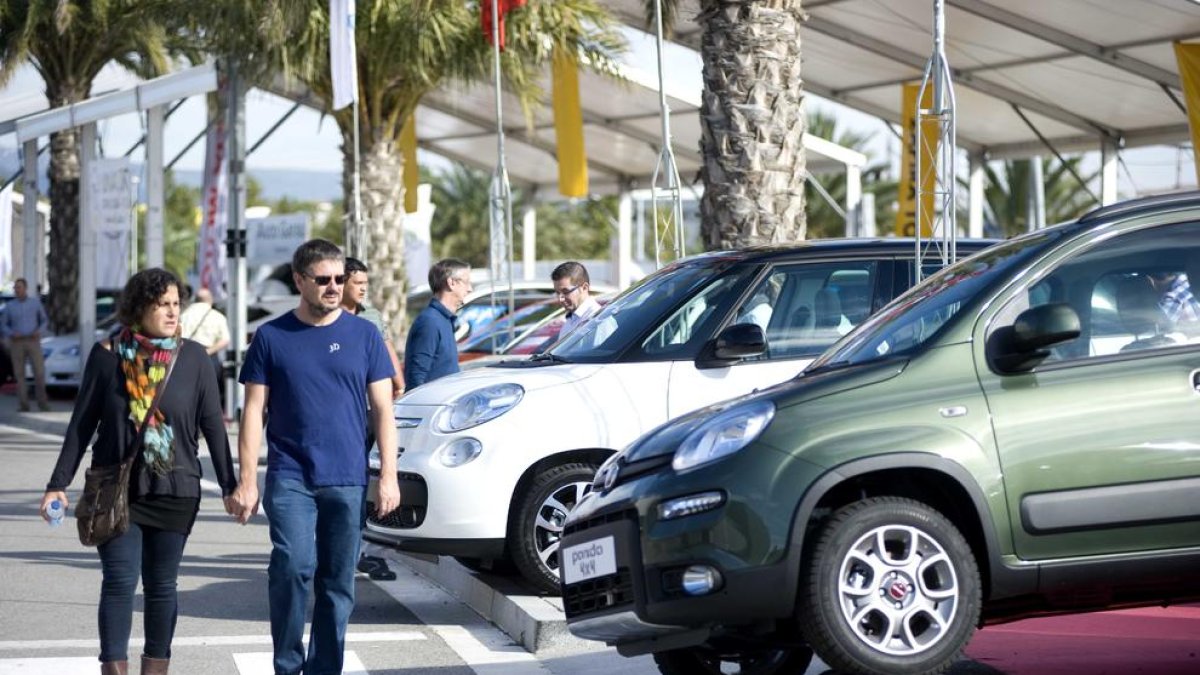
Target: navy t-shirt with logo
316 378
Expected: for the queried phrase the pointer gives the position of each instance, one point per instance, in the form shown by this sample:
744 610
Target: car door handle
1196 381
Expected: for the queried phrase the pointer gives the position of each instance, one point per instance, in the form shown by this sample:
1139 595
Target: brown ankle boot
114 668
154 666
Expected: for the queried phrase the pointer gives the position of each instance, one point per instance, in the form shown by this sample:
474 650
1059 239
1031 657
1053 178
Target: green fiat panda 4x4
1017 435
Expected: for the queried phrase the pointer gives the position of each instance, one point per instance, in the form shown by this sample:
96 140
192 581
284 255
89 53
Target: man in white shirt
206 324
573 288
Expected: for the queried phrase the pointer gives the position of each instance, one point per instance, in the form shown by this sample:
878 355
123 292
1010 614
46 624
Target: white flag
342 60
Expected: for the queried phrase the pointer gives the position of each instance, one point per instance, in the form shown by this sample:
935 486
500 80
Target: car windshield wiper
551 358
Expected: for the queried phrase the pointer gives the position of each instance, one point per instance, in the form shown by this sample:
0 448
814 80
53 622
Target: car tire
889 566
535 535
709 661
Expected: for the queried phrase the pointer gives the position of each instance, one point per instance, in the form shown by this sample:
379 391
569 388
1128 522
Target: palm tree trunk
752 123
382 194
63 257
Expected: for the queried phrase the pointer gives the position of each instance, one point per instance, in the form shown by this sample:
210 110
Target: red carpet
1155 641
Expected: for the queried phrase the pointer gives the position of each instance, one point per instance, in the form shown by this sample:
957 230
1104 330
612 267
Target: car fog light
701 580
686 506
459 452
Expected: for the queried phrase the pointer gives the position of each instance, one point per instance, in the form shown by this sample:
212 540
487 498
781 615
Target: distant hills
276 183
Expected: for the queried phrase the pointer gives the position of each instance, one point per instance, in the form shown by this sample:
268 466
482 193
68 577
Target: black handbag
103 510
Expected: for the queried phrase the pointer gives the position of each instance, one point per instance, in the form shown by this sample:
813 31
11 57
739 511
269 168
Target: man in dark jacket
430 351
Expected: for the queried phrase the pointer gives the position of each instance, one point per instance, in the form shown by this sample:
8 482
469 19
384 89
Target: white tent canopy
1081 71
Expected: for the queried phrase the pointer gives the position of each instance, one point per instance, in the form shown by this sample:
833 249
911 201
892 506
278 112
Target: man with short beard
431 351
313 368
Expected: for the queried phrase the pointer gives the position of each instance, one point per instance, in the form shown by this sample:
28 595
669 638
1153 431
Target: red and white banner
214 209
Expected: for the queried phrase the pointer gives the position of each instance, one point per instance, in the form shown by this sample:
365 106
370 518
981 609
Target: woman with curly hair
119 384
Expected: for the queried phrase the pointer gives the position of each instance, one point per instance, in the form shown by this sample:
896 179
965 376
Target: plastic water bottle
56 512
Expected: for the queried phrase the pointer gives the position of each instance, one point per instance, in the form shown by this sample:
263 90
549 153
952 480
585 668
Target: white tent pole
31 263
853 201
624 257
666 163
154 186
500 214
1037 194
1108 172
975 177
529 242
358 244
87 240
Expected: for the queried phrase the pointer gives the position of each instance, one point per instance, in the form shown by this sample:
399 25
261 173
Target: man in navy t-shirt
314 369
430 351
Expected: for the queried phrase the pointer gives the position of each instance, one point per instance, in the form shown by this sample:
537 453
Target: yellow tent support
568 127
412 172
1188 57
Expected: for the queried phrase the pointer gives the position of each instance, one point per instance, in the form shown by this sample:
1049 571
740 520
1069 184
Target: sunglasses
565 293
324 279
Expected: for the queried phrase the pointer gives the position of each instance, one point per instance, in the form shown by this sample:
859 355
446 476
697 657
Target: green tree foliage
1007 194
580 229
823 220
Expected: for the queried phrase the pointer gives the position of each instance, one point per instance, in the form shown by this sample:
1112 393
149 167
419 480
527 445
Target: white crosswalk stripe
259 663
205 641
82 665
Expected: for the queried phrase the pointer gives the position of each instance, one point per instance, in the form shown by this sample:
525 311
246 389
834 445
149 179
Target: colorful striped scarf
144 362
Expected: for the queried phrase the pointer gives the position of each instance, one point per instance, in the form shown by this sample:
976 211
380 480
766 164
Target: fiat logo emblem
897 590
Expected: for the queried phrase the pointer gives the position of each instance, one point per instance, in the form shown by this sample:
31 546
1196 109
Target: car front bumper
746 539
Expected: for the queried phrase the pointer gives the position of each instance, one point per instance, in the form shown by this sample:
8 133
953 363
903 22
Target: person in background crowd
23 324
119 384
574 291
431 351
313 368
354 299
203 323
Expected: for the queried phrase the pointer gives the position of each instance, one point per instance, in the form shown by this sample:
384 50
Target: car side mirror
1019 348
735 342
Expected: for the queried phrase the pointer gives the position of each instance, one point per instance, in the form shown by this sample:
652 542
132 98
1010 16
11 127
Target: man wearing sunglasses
313 368
431 351
574 290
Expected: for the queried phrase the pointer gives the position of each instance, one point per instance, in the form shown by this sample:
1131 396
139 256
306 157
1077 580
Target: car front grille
414 500
595 595
603 519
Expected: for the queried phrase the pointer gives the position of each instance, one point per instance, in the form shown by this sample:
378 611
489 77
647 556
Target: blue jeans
154 555
315 535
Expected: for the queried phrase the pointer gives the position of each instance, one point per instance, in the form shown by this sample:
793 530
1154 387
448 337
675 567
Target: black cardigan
190 404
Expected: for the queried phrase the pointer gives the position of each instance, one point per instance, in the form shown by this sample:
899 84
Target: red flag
503 7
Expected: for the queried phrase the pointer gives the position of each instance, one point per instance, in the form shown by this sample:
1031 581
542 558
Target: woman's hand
50 496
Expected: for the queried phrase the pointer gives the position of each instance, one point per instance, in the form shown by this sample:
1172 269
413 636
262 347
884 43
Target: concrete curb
535 622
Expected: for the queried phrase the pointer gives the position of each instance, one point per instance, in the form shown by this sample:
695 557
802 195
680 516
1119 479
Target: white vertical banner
112 208
6 235
214 195
342 59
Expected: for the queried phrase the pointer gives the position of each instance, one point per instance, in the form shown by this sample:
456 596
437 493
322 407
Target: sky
310 141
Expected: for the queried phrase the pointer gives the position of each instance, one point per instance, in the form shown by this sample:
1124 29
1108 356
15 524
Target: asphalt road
49 586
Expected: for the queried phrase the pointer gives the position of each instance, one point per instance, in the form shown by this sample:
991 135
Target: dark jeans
314 538
153 555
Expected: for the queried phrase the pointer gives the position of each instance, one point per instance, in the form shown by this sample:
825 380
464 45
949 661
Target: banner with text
112 207
273 240
214 210
906 212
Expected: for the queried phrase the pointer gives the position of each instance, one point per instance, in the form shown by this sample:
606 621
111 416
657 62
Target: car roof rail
1189 198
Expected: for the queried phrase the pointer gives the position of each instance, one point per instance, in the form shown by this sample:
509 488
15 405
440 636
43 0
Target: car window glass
910 320
639 308
684 325
803 309
1131 292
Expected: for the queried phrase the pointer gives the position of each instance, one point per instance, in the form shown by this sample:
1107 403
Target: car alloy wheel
540 516
892 587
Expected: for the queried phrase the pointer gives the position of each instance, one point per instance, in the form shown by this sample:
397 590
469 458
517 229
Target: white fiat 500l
491 460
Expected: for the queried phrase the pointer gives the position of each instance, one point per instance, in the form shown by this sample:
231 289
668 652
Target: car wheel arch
955 494
594 456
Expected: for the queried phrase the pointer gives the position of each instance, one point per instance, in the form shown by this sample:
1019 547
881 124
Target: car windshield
912 319
627 318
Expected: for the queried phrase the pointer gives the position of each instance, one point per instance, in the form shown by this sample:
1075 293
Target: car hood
442 390
821 383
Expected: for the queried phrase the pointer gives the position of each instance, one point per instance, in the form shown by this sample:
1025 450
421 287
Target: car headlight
477 407
723 434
